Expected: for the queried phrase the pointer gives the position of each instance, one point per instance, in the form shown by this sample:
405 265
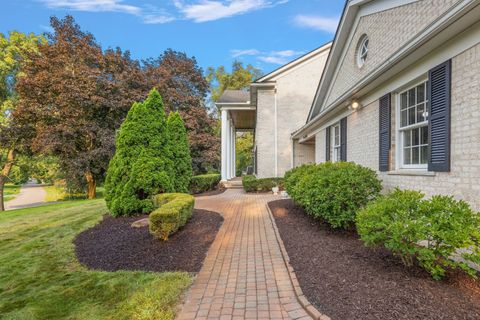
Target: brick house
400 94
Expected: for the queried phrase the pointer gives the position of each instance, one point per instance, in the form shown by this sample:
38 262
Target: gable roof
292 64
234 96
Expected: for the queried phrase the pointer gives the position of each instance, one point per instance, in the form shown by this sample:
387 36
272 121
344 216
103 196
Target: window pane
424 155
407 138
403 117
411 97
421 93
403 101
411 116
415 155
416 137
424 135
420 111
407 156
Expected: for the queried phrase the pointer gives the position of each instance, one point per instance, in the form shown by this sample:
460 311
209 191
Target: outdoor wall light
355 105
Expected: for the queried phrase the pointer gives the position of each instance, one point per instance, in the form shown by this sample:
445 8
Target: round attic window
362 50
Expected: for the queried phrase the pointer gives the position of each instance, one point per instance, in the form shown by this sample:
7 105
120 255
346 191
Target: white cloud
195 10
93 5
274 60
210 10
248 52
280 57
328 24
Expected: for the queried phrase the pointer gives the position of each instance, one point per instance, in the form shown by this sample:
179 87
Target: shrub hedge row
252 184
204 182
173 211
430 231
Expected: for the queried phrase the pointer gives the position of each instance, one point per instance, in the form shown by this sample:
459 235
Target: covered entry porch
237 115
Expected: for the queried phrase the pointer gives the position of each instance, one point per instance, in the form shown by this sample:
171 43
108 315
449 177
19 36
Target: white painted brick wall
320 147
295 93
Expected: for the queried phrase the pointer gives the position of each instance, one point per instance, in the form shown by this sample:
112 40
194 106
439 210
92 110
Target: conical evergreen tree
180 152
142 165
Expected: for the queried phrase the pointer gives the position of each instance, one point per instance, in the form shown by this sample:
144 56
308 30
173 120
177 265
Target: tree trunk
4 174
92 185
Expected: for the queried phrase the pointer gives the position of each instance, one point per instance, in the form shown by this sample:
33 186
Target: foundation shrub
334 192
173 211
204 182
293 176
252 184
430 231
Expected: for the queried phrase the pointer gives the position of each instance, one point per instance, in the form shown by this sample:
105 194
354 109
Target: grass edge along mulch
346 280
40 277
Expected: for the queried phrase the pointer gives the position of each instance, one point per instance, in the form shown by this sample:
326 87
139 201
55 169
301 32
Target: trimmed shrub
252 184
334 192
394 221
173 211
142 165
180 153
204 182
431 231
293 176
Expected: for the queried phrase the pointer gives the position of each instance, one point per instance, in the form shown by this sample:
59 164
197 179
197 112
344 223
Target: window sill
412 173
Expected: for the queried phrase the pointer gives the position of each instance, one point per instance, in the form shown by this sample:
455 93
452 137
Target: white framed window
362 50
336 139
412 127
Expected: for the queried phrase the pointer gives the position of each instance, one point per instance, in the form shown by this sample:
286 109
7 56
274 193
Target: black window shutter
438 92
384 132
327 144
343 139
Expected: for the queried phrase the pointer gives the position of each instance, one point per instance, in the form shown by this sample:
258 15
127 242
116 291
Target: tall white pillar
224 145
234 152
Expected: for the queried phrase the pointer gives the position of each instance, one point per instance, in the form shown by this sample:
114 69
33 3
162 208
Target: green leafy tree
14 49
240 78
180 153
244 151
142 165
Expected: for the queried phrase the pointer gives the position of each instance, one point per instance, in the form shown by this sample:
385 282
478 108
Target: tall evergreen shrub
142 165
180 153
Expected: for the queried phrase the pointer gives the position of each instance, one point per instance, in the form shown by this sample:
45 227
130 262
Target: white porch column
232 150
225 138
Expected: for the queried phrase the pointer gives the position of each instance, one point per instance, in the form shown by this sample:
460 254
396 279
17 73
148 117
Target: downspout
276 132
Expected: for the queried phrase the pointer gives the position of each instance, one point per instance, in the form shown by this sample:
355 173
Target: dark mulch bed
114 245
346 280
210 193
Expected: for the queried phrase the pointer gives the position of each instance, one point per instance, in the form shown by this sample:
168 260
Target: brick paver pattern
244 275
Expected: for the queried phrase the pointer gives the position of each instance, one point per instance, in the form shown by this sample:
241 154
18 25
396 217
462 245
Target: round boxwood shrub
430 231
334 192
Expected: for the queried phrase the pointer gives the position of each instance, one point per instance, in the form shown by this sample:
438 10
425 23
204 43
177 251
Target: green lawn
10 191
56 193
40 277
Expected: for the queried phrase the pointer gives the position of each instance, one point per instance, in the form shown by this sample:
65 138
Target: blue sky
265 33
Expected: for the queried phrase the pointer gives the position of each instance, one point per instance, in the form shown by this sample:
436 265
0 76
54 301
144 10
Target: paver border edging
309 308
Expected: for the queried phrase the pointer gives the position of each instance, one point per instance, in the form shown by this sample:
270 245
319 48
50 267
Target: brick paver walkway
244 275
